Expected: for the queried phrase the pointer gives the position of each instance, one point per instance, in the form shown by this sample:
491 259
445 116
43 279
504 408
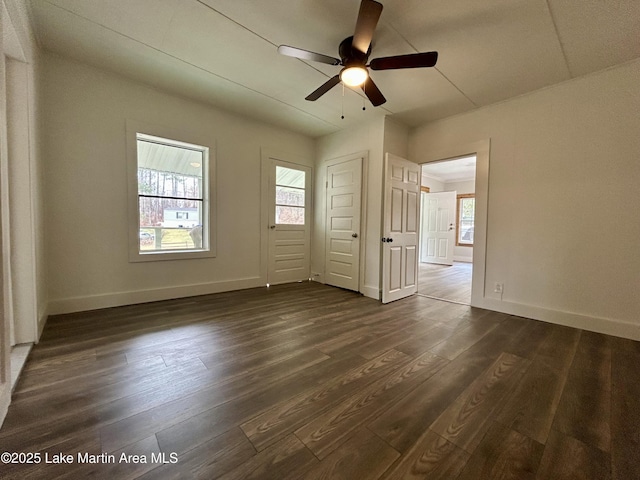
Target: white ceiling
10 42
223 52
458 170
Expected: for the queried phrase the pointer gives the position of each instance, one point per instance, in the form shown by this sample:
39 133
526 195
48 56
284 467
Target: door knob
387 239
272 227
354 235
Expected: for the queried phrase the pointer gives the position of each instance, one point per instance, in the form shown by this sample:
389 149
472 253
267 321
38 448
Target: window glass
290 196
466 211
289 215
171 195
289 177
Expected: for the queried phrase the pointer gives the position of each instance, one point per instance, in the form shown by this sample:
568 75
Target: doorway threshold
443 299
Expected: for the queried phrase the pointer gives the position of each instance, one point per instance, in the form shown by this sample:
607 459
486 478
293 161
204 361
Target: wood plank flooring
446 282
305 381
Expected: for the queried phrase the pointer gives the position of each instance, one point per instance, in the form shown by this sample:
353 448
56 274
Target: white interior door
342 251
400 233
438 227
289 258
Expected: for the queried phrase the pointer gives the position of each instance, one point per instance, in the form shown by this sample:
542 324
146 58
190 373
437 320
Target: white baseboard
42 320
317 277
608 326
5 399
462 259
95 302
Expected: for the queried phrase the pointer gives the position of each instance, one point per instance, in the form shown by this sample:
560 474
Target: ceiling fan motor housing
351 56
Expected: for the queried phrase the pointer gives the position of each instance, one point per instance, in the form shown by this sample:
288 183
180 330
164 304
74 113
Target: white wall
24 300
368 138
460 187
396 138
563 229
25 198
5 320
433 184
86 196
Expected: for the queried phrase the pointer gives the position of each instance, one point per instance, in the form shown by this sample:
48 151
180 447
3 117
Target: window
289 196
171 209
464 225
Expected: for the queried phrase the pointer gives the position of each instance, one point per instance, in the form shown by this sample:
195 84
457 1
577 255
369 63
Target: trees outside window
465 216
172 195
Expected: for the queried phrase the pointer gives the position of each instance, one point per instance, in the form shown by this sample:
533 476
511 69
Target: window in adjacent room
172 183
465 215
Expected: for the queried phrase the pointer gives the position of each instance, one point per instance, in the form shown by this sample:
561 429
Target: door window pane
288 177
290 196
289 215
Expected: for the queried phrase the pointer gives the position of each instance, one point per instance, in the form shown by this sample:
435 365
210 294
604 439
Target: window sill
170 255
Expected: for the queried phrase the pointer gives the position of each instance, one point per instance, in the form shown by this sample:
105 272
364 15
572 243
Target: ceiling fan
354 54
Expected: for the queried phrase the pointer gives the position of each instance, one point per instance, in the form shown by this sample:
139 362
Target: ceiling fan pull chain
364 89
342 116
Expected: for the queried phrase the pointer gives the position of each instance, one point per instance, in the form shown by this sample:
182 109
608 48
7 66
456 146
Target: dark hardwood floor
452 283
304 381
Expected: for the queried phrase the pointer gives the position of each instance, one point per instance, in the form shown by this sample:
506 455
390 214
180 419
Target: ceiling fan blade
324 88
413 60
307 55
373 93
368 17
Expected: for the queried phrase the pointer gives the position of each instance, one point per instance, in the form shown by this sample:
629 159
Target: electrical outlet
498 287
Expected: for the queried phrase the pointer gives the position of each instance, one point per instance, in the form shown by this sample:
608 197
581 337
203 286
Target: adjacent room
447 211
319 239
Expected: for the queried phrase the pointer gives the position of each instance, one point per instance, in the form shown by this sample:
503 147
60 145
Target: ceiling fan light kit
354 54
353 76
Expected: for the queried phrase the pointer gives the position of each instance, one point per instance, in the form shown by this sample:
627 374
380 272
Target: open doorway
447 229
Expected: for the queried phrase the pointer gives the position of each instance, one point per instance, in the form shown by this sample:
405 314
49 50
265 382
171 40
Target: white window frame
176 137
459 199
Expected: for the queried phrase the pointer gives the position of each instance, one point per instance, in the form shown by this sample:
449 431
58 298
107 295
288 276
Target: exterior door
438 227
289 222
342 251
400 233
